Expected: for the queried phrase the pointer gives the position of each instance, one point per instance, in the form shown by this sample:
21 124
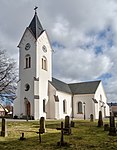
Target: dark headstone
72 124
67 129
4 128
42 128
100 121
106 127
67 121
42 125
112 130
91 118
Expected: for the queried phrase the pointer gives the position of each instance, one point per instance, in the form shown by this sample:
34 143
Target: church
41 95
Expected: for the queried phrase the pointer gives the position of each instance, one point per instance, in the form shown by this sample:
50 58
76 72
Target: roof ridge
85 82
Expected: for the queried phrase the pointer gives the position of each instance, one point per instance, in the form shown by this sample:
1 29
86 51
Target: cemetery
58 134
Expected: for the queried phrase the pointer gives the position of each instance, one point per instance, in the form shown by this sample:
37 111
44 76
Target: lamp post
84 109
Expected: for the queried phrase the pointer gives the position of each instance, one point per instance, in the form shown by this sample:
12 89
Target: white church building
39 94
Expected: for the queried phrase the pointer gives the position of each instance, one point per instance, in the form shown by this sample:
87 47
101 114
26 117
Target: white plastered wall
89 105
26 75
67 97
44 75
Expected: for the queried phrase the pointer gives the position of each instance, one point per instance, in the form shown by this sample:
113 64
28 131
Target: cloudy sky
83 34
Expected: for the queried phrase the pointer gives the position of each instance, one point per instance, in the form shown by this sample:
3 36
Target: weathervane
35 9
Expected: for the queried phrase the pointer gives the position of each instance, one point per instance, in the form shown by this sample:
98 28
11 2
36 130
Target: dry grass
85 136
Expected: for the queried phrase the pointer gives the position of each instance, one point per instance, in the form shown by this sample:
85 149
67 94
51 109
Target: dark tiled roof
76 88
60 86
35 26
112 104
84 87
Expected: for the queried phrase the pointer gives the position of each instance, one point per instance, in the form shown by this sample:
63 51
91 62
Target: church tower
35 70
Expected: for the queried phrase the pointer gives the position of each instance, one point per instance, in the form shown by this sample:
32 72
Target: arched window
80 107
100 97
64 106
44 63
27 61
44 105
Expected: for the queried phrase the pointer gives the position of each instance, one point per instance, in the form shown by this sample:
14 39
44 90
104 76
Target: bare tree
8 74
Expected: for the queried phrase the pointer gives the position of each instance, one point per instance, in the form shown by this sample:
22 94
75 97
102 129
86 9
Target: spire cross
35 9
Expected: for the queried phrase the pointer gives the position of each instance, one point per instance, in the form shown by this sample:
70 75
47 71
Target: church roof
35 26
60 86
76 88
84 87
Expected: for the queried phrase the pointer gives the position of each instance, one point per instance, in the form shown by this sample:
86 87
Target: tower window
27 61
79 107
44 63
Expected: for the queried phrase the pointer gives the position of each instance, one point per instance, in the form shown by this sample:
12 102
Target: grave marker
67 129
42 128
22 137
42 125
61 143
91 118
72 123
4 128
100 121
112 130
106 127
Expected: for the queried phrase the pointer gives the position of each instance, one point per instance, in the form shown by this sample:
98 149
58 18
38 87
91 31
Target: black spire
35 25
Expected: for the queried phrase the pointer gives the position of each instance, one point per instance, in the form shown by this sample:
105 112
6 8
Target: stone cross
61 143
4 128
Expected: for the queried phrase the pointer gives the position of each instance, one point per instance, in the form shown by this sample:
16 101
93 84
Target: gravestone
67 129
42 128
112 130
100 121
72 124
42 125
91 118
4 128
106 127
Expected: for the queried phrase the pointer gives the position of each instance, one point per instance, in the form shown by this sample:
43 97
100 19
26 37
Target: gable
26 34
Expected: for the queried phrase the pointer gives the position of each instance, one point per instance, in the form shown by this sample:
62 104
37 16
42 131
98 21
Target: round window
27 87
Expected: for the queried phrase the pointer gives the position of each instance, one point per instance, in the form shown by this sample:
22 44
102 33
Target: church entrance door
27 108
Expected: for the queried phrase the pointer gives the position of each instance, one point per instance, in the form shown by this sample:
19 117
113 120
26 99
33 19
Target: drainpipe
72 107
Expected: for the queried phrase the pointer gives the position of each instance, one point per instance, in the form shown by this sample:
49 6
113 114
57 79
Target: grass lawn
85 136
